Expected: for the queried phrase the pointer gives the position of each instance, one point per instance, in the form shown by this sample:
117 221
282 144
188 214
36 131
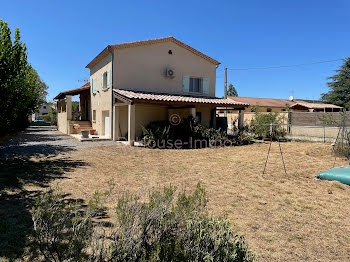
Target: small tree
260 125
232 90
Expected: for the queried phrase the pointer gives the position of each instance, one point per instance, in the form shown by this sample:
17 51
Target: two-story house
133 84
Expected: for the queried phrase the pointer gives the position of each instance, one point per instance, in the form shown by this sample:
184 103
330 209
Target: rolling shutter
186 84
206 85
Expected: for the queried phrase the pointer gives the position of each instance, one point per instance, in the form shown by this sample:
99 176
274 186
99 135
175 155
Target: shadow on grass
31 165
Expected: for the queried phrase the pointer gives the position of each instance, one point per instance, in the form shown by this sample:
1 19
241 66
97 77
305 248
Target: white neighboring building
44 109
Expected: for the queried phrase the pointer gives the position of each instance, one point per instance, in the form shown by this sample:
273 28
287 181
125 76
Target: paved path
39 141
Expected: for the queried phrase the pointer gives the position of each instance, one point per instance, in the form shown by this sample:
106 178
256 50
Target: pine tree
339 93
232 90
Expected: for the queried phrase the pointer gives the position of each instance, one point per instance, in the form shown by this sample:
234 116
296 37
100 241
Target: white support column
116 132
131 124
193 112
69 107
241 119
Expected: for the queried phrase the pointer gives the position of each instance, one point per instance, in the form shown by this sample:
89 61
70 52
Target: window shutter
108 79
102 81
186 84
94 85
206 85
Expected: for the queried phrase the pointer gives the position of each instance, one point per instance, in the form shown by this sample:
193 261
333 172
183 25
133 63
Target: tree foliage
260 125
21 88
339 93
232 90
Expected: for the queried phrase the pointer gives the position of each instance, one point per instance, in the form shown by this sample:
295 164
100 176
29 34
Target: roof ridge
260 98
172 39
146 40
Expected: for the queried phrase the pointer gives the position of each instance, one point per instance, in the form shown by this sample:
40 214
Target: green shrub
62 231
168 227
260 125
155 131
190 130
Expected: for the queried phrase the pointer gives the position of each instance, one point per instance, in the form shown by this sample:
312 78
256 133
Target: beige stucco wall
206 111
102 100
143 68
144 114
249 116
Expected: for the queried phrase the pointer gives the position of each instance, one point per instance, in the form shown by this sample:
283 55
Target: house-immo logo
175 119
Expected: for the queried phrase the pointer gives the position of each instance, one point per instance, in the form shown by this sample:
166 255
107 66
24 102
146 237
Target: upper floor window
93 85
196 85
199 85
105 80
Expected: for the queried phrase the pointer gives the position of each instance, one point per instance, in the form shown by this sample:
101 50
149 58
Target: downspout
112 109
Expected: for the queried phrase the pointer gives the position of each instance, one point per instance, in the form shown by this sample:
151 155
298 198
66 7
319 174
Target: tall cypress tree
21 89
339 93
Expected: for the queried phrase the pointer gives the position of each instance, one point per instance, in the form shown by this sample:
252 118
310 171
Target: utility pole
225 112
225 82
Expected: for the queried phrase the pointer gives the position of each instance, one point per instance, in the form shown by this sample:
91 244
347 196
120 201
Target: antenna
83 80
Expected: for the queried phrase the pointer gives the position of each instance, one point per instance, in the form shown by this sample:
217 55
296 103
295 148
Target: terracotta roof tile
264 102
73 92
136 95
314 105
272 102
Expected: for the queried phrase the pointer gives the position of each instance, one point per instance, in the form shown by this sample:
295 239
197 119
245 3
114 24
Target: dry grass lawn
284 218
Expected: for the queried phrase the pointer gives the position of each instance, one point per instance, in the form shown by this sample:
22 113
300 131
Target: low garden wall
314 131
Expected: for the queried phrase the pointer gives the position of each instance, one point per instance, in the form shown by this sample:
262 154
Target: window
199 116
104 81
93 85
196 85
94 115
44 107
268 110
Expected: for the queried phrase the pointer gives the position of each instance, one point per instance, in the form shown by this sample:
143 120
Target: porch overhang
135 97
73 92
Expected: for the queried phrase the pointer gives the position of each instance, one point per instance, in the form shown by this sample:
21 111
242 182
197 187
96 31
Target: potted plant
85 133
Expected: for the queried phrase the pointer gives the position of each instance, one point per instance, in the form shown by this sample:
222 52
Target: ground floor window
94 115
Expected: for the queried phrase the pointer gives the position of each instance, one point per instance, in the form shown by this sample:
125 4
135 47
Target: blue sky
63 36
